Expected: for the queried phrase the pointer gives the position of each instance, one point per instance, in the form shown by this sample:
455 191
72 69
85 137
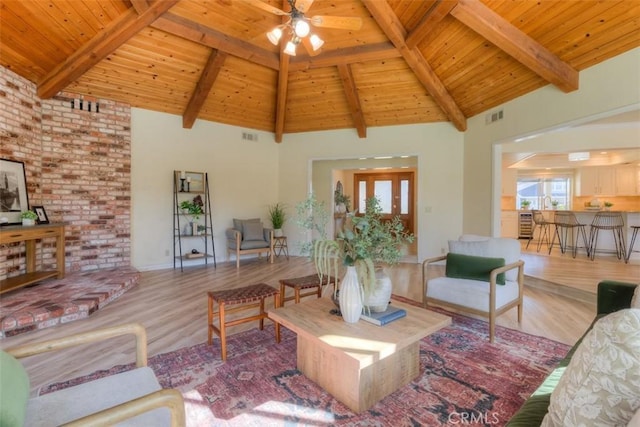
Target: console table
29 235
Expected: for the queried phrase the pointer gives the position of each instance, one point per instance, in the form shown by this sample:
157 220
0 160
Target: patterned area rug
464 380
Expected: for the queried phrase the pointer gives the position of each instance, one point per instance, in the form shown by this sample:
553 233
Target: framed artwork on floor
42 214
13 191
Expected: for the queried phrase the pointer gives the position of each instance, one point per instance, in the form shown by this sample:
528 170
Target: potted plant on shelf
607 206
342 201
554 204
278 217
28 217
524 204
365 241
191 207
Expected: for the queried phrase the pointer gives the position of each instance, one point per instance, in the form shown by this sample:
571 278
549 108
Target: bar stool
565 221
240 297
539 221
633 240
608 221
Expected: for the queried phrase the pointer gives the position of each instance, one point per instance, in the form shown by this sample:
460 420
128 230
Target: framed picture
13 191
192 182
42 214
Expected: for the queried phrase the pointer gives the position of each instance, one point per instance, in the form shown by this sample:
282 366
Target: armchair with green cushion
248 236
132 397
612 296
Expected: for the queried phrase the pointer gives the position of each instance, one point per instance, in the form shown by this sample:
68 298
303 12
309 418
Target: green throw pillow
14 391
473 267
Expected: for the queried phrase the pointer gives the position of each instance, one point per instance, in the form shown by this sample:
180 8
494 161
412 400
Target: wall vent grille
494 117
249 136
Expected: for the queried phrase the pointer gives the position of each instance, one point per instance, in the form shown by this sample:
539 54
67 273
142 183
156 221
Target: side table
280 246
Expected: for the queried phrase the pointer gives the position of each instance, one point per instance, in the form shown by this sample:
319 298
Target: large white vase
378 298
350 296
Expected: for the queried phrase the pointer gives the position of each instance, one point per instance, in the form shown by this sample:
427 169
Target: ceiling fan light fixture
275 35
316 42
301 27
290 48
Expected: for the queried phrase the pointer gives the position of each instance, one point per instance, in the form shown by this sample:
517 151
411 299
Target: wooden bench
302 283
246 298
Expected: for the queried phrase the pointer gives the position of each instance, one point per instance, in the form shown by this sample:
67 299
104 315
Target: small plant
277 216
608 204
339 198
525 203
29 215
192 208
554 203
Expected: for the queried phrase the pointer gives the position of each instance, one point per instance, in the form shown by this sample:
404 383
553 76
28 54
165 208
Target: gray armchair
248 236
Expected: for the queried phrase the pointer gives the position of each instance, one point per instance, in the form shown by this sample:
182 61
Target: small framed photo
13 191
42 214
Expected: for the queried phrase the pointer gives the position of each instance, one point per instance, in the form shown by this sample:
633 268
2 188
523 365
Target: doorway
394 190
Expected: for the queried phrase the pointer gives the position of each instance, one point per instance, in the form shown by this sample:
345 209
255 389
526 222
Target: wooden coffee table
358 363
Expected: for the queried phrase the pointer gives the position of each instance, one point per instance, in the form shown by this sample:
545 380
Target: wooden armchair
249 237
134 395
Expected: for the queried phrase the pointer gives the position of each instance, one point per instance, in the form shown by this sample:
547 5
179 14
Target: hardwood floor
172 306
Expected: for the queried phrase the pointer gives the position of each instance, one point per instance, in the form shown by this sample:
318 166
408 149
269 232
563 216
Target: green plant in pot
342 201
277 216
191 207
28 217
365 241
524 204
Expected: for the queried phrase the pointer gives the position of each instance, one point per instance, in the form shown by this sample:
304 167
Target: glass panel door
393 190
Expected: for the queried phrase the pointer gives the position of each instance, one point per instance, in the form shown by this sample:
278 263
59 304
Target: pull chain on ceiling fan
298 28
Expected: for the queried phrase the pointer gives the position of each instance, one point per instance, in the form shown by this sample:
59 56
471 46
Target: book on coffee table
382 318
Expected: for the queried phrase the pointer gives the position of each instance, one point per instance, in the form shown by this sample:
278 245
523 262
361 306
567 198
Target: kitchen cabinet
627 177
596 180
509 224
509 181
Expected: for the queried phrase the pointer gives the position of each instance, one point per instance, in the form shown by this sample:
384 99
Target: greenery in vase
29 215
608 204
341 198
554 203
364 241
277 215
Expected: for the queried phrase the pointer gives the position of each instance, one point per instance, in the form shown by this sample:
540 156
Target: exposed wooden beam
207 78
436 13
105 42
206 36
353 99
392 27
364 53
520 46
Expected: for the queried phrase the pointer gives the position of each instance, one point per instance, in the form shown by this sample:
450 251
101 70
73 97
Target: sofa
612 297
482 276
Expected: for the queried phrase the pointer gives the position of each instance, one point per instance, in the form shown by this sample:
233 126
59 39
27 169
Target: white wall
438 148
243 179
611 86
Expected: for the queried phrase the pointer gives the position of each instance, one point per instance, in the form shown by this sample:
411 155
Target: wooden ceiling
412 61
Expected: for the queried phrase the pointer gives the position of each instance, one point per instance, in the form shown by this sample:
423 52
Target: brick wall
78 165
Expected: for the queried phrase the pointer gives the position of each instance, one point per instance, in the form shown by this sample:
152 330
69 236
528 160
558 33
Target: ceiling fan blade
309 47
340 22
303 5
267 7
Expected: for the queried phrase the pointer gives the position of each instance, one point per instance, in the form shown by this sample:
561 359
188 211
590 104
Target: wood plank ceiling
412 61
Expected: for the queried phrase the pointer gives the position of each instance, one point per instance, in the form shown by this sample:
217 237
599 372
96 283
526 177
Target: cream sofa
483 276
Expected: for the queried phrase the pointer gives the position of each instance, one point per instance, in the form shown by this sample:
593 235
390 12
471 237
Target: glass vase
350 296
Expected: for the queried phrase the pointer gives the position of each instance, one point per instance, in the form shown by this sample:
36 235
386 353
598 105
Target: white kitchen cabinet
627 177
597 180
509 181
509 224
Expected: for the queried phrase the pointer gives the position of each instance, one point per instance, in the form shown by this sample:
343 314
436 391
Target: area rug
464 380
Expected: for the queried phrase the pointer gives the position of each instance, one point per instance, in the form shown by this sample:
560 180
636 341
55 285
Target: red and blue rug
464 380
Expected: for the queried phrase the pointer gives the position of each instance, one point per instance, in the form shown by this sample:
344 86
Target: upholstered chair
248 236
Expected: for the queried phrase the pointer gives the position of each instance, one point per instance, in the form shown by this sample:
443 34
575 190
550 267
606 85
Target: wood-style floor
172 306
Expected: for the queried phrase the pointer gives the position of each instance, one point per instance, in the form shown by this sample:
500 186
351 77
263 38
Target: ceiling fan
298 28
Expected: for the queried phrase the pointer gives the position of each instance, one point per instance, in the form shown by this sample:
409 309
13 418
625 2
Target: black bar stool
634 234
565 221
539 221
608 221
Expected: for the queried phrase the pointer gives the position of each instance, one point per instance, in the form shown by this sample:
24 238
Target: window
541 191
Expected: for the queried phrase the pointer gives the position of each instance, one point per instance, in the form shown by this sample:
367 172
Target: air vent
248 136
494 117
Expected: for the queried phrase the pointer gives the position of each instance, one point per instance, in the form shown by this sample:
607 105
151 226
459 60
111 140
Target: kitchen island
606 242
